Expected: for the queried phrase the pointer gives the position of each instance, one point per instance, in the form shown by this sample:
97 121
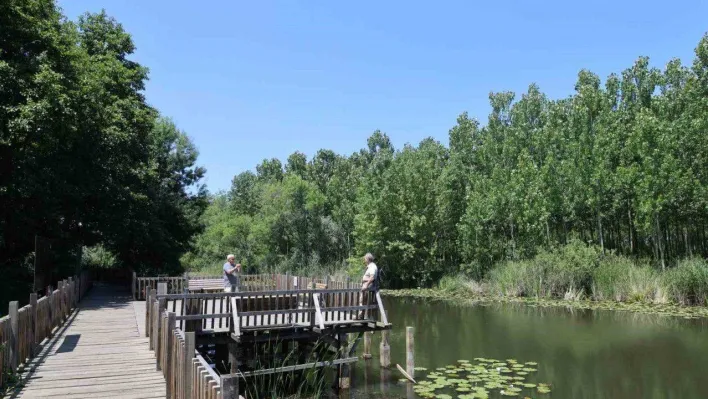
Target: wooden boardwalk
98 353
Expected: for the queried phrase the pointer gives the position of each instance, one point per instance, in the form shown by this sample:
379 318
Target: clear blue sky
249 80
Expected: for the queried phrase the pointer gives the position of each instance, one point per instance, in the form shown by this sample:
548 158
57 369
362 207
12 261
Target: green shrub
687 283
569 269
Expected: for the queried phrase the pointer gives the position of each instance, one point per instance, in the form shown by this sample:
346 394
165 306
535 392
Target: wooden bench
317 286
206 285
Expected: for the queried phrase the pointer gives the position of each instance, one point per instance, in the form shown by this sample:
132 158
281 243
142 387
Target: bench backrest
318 286
206 284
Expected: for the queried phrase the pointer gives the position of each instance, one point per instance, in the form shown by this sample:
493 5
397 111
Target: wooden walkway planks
99 353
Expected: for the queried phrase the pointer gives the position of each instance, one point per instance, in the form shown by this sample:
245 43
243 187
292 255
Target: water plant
480 379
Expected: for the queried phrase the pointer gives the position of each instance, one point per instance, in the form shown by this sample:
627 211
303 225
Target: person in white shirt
370 273
369 283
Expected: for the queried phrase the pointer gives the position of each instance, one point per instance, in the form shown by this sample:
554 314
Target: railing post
57 305
159 345
51 310
71 294
229 386
169 369
33 325
132 286
154 325
189 347
148 310
13 312
64 289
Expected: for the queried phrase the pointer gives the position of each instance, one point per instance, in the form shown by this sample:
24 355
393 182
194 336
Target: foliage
618 165
98 257
83 157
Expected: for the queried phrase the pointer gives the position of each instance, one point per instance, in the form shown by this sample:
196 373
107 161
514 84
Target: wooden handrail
255 293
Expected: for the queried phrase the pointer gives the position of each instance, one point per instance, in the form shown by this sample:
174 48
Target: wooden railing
23 329
173 320
187 374
141 286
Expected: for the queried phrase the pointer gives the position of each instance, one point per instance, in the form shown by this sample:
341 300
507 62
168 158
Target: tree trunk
660 243
513 243
631 233
599 232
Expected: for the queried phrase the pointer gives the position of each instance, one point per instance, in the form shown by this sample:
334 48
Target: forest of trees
621 165
84 160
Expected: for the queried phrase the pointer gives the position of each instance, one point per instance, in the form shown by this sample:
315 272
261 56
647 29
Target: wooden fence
187 374
141 286
23 329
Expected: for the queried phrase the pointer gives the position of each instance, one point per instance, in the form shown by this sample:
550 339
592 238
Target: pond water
580 353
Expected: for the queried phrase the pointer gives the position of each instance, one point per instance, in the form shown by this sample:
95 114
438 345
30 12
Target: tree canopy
83 157
621 164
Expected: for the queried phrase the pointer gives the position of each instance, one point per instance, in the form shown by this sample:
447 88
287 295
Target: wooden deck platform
98 353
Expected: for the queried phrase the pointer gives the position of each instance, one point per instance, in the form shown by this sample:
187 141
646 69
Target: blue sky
262 79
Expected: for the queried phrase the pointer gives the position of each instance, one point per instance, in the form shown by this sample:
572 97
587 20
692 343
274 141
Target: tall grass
687 283
579 271
311 382
565 272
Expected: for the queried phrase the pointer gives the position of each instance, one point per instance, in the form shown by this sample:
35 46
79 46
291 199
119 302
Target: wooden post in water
233 356
13 312
229 386
344 381
33 325
385 350
367 345
410 364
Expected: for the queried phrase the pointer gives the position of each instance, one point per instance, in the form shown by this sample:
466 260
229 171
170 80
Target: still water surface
580 353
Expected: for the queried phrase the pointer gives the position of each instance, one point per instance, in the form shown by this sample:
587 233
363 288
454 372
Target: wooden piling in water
233 357
344 380
410 363
385 350
367 345
229 386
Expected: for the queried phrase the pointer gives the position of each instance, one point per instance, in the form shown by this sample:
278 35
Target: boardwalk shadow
69 343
